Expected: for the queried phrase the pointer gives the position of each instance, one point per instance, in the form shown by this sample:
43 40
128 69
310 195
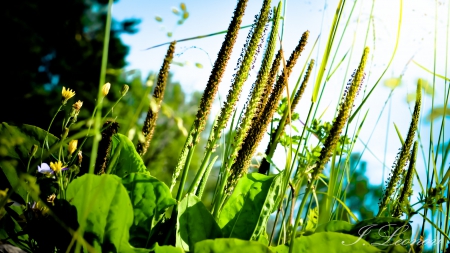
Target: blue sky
416 41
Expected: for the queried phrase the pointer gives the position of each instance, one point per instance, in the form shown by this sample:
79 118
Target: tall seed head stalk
269 85
285 120
257 92
407 187
259 127
158 95
241 76
404 153
302 88
340 121
211 88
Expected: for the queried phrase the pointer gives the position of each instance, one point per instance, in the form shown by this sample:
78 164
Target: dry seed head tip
77 106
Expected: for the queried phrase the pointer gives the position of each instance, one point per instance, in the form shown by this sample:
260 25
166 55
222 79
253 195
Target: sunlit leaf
392 82
438 113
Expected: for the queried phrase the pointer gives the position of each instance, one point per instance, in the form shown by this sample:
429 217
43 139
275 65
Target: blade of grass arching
445 154
327 52
342 194
197 37
431 142
98 116
397 39
342 204
335 177
336 68
436 227
205 177
431 72
399 134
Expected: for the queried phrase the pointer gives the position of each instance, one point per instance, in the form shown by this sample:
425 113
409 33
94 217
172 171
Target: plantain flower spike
72 146
66 95
340 121
56 167
404 153
105 89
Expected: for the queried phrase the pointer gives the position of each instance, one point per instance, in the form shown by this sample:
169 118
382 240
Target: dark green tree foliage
50 44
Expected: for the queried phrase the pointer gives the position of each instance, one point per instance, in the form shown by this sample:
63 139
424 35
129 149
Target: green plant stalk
404 154
203 168
97 121
327 52
202 185
48 130
210 92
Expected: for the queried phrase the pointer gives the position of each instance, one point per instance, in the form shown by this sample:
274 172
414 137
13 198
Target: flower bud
72 146
124 90
33 150
105 88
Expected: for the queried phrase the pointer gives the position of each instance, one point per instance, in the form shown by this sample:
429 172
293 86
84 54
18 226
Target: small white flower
44 168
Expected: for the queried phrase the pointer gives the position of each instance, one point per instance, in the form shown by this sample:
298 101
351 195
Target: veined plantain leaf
15 145
194 224
382 232
245 214
330 242
129 160
150 199
106 213
230 245
167 249
335 226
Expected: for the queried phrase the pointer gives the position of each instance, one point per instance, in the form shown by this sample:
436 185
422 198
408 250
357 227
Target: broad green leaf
335 226
105 209
194 224
129 160
15 145
313 219
329 242
150 198
383 231
230 245
245 214
167 249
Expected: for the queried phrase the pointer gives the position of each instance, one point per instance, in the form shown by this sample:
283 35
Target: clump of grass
259 126
208 96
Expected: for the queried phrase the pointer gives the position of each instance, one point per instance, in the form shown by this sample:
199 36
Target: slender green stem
48 130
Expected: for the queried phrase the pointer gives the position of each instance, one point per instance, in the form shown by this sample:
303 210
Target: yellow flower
56 167
77 106
105 88
67 94
72 146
